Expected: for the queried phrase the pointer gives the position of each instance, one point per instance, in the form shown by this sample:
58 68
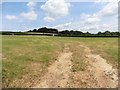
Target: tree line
73 32
45 30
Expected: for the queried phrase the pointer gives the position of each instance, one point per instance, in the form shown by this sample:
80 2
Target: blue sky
83 16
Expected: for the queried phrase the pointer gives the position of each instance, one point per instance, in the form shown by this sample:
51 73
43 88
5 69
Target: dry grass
19 52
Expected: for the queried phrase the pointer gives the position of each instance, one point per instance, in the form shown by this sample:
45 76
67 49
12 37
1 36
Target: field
26 58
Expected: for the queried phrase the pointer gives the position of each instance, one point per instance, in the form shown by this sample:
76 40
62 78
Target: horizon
90 17
54 28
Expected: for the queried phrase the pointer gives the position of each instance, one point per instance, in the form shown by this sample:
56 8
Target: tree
34 30
107 33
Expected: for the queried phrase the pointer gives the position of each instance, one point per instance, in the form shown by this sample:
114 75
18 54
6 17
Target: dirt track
104 73
58 73
98 74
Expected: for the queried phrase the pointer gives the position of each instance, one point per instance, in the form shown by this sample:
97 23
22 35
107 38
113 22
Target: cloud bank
95 22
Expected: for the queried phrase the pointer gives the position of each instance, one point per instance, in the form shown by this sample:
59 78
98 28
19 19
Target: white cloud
55 9
110 9
31 4
11 17
103 1
87 18
99 1
93 23
92 28
49 19
29 15
65 26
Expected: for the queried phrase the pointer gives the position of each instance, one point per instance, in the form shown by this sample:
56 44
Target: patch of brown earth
58 73
99 74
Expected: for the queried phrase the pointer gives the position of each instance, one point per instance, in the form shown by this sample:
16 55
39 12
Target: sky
83 16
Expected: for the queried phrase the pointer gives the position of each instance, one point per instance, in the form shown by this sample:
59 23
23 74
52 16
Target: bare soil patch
58 73
99 74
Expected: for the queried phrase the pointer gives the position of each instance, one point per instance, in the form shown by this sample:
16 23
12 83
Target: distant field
18 52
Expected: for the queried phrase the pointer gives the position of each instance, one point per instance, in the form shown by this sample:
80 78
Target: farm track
104 74
99 74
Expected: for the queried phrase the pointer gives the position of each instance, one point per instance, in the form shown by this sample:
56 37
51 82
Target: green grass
20 51
106 47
